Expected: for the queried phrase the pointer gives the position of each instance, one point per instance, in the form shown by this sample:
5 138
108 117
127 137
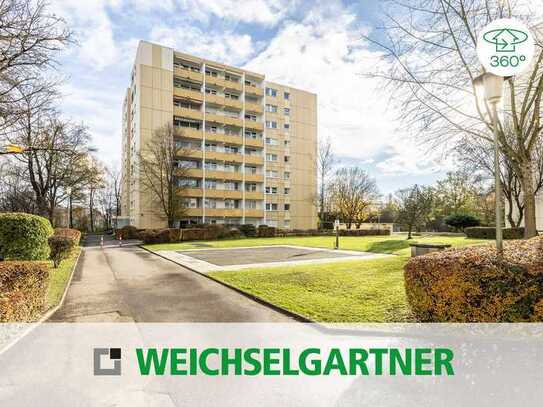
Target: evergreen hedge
24 236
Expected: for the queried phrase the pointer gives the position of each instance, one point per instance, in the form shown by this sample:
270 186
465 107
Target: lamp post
489 89
70 207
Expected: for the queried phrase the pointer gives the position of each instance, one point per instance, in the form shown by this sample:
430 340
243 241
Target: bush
128 232
73 234
248 230
23 290
266 231
483 232
24 236
472 285
233 234
460 221
61 247
155 236
194 234
364 232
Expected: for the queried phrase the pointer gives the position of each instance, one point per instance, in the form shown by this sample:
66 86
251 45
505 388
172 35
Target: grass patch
376 244
59 278
354 291
350 291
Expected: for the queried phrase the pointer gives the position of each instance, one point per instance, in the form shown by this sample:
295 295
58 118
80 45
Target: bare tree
16 194
161 168
95 183
31 39
430 62
353 193
325 163
414 206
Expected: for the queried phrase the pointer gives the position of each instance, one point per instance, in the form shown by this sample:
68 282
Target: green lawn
350 291
59 278
376 244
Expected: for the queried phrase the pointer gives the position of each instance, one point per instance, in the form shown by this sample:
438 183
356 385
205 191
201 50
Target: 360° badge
505 47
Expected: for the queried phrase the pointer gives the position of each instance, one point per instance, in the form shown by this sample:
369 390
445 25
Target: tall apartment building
251 145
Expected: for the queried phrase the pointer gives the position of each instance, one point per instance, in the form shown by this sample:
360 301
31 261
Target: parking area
207 260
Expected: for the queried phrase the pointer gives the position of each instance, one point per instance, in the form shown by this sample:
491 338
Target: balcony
193 173
188 113
235 104
222 101
188 74
254 213
193 212
233 85
253 90
254 142
235 213
254 177
254 159
189 133
215 80
226 175
192 192
250 124
220 156
188 94
230 121
223 193
254 195
253 107
188 153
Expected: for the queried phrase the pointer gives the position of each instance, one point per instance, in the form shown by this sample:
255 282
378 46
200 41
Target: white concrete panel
167 58
144 54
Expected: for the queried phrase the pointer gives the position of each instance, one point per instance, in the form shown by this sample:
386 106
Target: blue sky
313 45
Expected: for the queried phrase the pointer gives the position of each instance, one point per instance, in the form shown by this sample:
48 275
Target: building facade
250 146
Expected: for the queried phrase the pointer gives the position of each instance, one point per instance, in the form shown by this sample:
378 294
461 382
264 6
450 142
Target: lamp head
489 87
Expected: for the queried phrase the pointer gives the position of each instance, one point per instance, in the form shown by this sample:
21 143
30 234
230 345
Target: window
271 124
211 73
211 184
287 175
211 147
286 95
272 174
211 166
287 191
211 91
231 167
212 129
287 111
187 164
190 202
210 203
231 149
286 126
187 182
250 187
231 186
250 169
252 134
271 108
287 143
271 190
287 207
251 117
271 206
271 92
231 96
271 141
250 204
271 157
231 203
287 158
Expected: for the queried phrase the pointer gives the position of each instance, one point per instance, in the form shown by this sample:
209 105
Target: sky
313 45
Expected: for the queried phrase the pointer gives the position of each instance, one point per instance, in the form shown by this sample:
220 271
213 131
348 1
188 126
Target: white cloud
264 12
226 47
324 54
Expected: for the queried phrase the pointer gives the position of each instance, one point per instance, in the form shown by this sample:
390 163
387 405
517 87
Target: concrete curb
48 314
284 311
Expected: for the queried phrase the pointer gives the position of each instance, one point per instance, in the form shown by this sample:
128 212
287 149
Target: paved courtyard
207 260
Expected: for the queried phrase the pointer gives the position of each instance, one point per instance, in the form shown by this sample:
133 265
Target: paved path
130 284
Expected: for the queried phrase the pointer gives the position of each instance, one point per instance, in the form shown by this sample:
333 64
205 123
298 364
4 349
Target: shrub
248 230
128 232
482 232
214 232
73 234
364 232
233 234
24 236
472 285
460 221
61 247
266 231
23 290
155 236
193 234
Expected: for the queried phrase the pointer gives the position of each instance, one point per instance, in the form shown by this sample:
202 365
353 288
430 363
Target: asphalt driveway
122 284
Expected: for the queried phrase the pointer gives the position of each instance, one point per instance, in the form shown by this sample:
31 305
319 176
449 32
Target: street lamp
70 217
489 89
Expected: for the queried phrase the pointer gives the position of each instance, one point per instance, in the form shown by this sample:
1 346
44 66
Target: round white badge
505 47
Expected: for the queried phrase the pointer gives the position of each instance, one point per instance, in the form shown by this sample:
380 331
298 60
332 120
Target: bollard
102 241
120 241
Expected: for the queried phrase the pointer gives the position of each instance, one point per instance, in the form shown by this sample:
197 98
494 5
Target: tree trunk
530 229
409 232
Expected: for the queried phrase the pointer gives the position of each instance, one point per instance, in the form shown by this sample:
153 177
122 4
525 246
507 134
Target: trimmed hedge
266 231
127 232
61 247
23 290
472 285
483 232
364 232
248 230
24 236
73 234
